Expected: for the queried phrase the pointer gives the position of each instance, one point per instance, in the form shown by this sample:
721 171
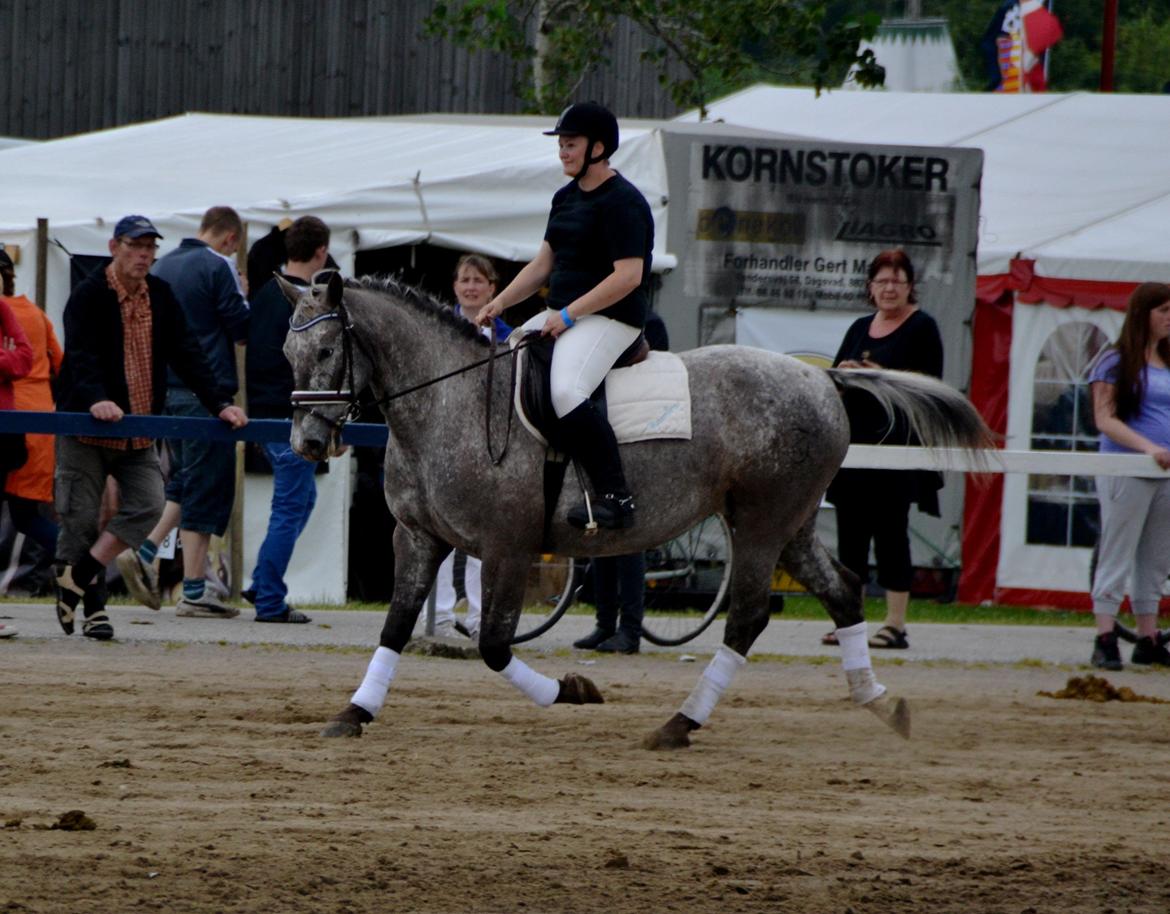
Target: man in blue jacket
202 486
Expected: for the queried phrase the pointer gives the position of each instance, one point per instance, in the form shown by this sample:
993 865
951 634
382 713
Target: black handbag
13 452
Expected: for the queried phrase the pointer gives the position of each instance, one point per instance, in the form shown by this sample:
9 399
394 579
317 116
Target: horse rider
595 258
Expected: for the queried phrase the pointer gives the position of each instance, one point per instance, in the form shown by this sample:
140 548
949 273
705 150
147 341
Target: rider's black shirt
588 231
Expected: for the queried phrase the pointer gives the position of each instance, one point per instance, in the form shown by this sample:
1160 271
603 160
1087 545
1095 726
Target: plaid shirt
136 348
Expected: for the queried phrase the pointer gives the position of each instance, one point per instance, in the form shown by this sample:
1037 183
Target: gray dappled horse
769 433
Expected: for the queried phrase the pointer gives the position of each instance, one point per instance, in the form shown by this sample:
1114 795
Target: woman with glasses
874 505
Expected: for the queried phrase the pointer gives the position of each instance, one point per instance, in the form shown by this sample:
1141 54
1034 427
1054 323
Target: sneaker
289 616
1106 655
140 578
206 607
7 631
613 512
446 629
594 638
1149 652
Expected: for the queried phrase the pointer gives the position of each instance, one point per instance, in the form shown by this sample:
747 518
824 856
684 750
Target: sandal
65 615
97 627
831 639
889 637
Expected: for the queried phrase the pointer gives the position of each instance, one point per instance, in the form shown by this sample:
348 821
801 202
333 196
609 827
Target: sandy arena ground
201 769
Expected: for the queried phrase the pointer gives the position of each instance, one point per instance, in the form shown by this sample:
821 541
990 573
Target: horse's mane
422 301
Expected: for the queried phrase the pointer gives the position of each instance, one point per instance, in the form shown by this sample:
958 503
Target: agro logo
864 230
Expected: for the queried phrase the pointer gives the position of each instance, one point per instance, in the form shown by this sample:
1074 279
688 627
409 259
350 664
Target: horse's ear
291 292
335 289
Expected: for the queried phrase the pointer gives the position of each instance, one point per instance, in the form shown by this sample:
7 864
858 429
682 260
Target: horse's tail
937 414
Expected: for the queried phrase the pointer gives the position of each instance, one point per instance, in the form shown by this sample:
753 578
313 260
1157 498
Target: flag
1019 34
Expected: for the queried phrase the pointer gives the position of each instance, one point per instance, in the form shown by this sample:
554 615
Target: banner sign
795 224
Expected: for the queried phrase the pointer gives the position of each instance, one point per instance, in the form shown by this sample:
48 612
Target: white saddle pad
645 401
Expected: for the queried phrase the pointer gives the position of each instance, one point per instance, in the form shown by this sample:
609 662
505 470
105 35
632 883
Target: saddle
646 395
535 385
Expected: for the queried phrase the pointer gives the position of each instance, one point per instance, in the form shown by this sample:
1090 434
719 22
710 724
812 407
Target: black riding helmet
594 122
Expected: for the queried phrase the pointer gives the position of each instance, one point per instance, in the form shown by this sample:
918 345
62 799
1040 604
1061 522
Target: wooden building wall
72 66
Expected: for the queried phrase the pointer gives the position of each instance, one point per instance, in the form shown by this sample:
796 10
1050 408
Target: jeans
294 492
618 583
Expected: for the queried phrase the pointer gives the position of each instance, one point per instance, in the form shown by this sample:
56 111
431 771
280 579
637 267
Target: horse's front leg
417 557
504 580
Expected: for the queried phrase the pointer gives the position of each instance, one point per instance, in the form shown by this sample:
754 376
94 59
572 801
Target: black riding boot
591 442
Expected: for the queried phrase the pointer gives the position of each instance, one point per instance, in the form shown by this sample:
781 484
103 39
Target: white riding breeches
582 356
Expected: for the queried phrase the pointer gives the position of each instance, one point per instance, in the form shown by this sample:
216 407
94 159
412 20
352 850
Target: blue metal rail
362 434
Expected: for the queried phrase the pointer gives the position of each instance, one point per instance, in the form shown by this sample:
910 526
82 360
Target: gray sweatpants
1134 547
79 482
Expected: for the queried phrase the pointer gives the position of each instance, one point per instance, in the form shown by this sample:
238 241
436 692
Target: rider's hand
106 411
1162 458
554 326
488 313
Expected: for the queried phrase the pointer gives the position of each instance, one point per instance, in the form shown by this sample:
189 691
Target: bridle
349 397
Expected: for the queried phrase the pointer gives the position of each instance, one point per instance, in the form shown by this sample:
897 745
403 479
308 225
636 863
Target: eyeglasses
141 245
896 283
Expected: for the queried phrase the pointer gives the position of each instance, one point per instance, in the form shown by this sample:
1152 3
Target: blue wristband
565 317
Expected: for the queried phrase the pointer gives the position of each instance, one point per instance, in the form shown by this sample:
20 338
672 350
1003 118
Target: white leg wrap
711 685
854 647
379 674
863 687
542 690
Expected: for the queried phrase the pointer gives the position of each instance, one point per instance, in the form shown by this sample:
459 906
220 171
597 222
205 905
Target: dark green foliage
700 48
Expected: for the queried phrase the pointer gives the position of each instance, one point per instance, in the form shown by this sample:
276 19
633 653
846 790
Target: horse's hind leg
416 561
839 590
756 544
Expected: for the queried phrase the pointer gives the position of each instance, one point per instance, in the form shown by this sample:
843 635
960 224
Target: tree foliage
698 47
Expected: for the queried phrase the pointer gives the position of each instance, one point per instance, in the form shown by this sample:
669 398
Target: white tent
1075 199
473 185
917 54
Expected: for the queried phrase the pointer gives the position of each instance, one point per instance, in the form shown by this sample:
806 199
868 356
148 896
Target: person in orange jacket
16 359
32 484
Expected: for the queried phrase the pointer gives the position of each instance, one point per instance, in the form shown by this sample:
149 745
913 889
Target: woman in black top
875 504
595 258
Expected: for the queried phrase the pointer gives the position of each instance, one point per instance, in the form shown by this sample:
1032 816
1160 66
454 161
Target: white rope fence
1048 463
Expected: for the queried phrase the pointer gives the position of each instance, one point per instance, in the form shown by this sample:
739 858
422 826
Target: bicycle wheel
553 581
687 582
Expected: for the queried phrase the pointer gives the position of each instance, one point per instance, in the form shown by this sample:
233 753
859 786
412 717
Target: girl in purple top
1131 406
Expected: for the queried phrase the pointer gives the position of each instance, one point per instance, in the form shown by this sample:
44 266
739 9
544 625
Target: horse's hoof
347 723
577 690
894 712
337 728
674 734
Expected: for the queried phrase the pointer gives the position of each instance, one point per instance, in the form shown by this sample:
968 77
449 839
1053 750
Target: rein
302 399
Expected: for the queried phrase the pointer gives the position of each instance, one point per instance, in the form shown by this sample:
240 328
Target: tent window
1062 510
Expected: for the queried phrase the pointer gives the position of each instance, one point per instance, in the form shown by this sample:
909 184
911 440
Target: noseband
304 400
